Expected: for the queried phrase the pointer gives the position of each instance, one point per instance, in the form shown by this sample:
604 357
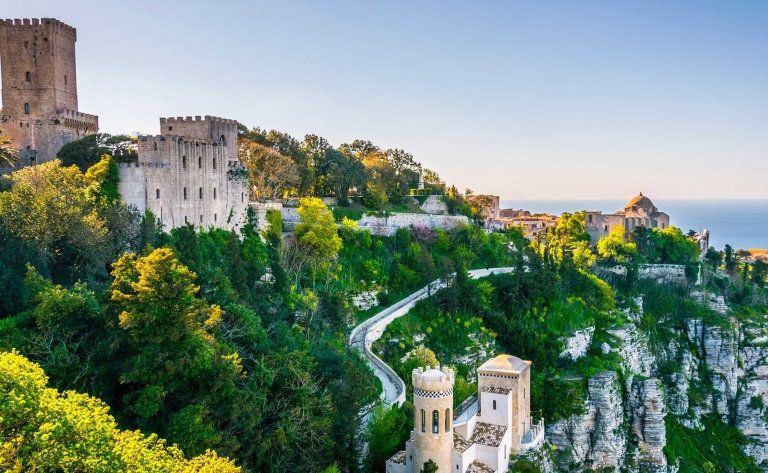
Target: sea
743 224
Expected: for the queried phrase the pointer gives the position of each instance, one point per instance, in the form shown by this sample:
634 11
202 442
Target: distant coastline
741 223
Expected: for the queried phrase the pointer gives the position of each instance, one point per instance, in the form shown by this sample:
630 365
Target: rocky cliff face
718 367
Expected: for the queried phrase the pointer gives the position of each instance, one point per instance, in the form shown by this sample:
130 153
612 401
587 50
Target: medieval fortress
189 173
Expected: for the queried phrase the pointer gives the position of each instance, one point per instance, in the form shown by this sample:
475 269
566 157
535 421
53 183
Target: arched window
423 422
590 218
29 77
200 162
26 109
185 195
214 192
494 405
184 162
214 163
435 422
221 139
447 420
201 192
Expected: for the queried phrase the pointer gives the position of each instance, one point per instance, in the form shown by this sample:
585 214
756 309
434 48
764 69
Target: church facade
481 438
638 211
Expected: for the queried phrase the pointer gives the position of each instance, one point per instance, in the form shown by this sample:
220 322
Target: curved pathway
366 333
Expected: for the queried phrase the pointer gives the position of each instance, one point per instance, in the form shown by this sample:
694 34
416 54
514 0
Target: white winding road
366 333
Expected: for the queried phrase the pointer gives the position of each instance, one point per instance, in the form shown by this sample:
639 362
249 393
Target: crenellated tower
39 88
433 417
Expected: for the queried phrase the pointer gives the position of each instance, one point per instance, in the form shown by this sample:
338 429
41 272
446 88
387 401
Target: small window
242 197
435 422
214 192
494 405
26 109
215 217
201 219
200 162
423 422
447 420
201 192
221 139
185 217
157 193
29 77
590 218
214 163
184 162
170 128
185 195
65 80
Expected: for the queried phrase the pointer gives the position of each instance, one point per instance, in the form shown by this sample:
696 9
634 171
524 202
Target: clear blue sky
529 100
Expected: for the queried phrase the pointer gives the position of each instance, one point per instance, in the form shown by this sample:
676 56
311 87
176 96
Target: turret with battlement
39 88
433 416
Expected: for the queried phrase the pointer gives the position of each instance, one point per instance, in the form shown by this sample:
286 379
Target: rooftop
398 457
460 444
479 467
640 201
495 390
488 434
504 364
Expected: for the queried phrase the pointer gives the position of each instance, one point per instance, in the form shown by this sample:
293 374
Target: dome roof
433 374
504 364
640 201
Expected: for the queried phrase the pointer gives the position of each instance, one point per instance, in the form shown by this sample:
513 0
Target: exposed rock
578 343
720 356
634 349
605 348
647 412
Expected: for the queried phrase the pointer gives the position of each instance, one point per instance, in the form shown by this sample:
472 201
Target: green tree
270 174
45 430
9 156
429 467
103 178
387 431
88 151
614 248
713 258
639 236
730 260
759 273
317 233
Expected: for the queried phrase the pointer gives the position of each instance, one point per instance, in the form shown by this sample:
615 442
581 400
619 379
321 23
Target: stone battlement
197 118
57 25
429 379
185 139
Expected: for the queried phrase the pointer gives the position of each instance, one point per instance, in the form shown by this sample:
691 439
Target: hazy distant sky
529 100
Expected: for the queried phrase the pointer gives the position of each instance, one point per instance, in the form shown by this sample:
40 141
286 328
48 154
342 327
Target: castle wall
183 180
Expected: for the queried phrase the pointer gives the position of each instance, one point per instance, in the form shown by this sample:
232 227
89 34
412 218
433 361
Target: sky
526 100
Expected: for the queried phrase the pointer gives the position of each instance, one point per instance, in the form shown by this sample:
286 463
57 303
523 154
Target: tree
671 246
759 272
9 156
730 260
88 151
45 430
317 233
639 236
713 258
614 248
270 174
429 467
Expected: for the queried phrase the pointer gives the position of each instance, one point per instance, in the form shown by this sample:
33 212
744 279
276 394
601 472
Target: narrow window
221 138
200 162
65 80
184 162
214 192
423 422
494 405
214 163
590 218
185 217
26 109
157 193
215 217
435 422
201 219
185 195
201 192
29 77
447 420
242 197
154 146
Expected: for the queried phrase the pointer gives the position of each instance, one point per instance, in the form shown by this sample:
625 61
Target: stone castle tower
39 88
433 422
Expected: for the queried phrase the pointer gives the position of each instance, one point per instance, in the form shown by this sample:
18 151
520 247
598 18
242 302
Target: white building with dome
638 211
481 437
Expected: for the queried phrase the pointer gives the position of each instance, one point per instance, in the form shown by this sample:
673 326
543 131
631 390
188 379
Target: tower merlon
56 25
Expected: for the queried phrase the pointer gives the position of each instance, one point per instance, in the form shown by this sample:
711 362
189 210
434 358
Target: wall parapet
58 26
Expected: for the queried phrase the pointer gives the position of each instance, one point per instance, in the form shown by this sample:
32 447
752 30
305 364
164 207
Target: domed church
487 428
638 211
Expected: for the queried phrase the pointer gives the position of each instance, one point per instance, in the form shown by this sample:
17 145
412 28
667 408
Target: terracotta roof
488 434
398 457
460 444
478 467
495 390
506 364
